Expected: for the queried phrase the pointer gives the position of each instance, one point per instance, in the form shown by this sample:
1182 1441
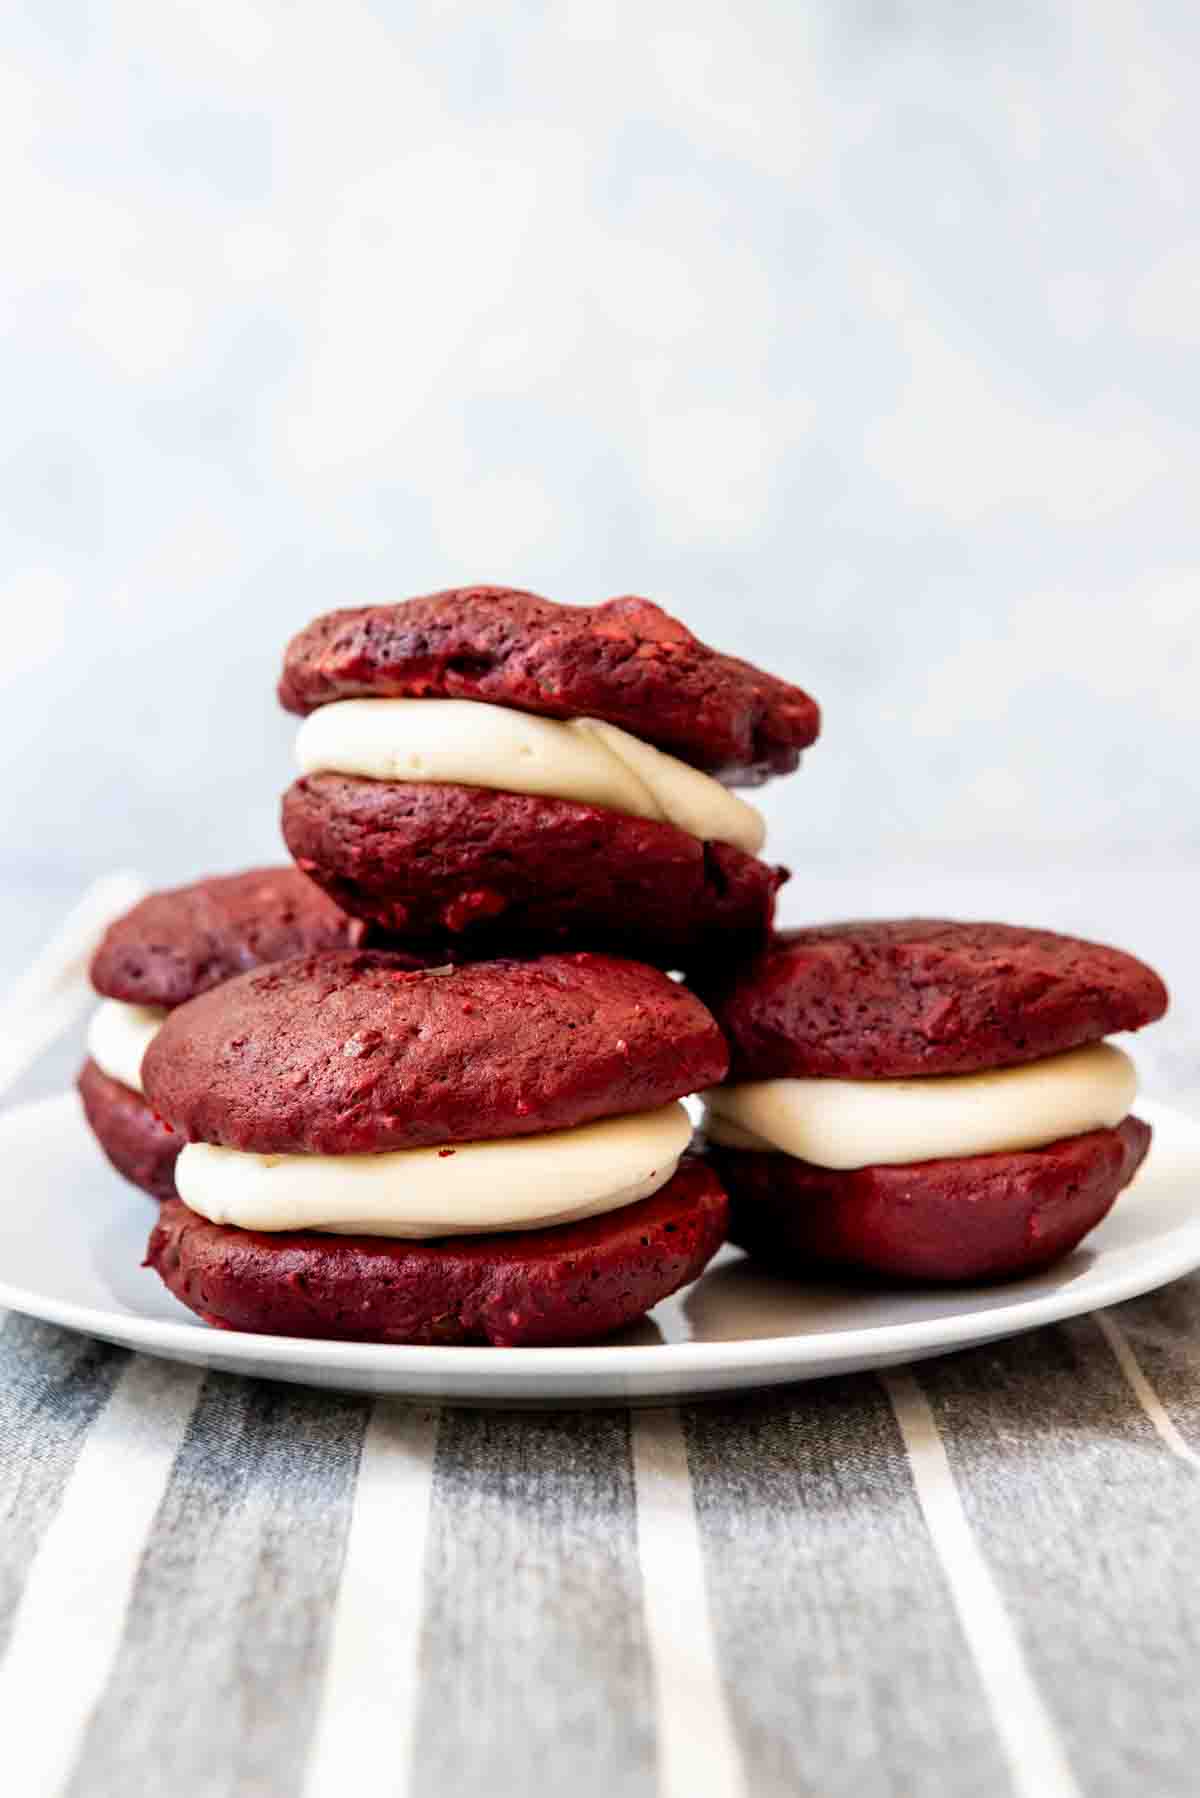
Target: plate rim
1178 1254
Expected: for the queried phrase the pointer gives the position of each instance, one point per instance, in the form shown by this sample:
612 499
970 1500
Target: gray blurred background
862 334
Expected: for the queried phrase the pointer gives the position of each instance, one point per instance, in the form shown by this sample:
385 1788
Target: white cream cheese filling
526 1182
463 742
119 1035
870 1123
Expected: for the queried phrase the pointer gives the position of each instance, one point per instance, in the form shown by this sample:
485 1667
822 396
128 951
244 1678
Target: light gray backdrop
862 334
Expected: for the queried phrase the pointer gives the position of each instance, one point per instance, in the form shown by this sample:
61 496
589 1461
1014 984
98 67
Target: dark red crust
626 661
352 1053
529 1288
478 867
176 944
138 1144
923 996
981 1217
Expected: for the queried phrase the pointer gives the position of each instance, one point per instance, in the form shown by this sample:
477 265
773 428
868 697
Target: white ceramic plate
72 1236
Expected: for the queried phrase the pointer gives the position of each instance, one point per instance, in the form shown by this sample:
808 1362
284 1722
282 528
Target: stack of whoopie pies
466 1127
425 1087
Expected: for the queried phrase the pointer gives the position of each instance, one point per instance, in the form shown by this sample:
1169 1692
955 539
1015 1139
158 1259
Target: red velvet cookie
181 942
531 1287
137 1143
923 996
626 662
481 868
178 943
974 1218
353 1053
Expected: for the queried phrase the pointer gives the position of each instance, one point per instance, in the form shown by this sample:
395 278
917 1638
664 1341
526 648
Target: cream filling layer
119 1035
524 1183
463 742
870 1123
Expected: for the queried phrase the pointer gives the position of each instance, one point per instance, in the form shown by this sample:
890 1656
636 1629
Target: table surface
976 1577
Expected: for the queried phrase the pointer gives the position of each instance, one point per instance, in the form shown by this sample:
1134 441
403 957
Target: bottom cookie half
134 1138
501 873
979 1217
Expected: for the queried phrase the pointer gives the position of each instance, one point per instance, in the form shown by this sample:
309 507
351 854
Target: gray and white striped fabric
977 1578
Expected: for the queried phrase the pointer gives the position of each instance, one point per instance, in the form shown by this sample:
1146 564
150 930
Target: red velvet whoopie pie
914 1012
485 1153
513 868
167 949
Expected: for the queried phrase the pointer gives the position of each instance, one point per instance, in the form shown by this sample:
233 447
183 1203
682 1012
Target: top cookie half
626 662
174 945
912 996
